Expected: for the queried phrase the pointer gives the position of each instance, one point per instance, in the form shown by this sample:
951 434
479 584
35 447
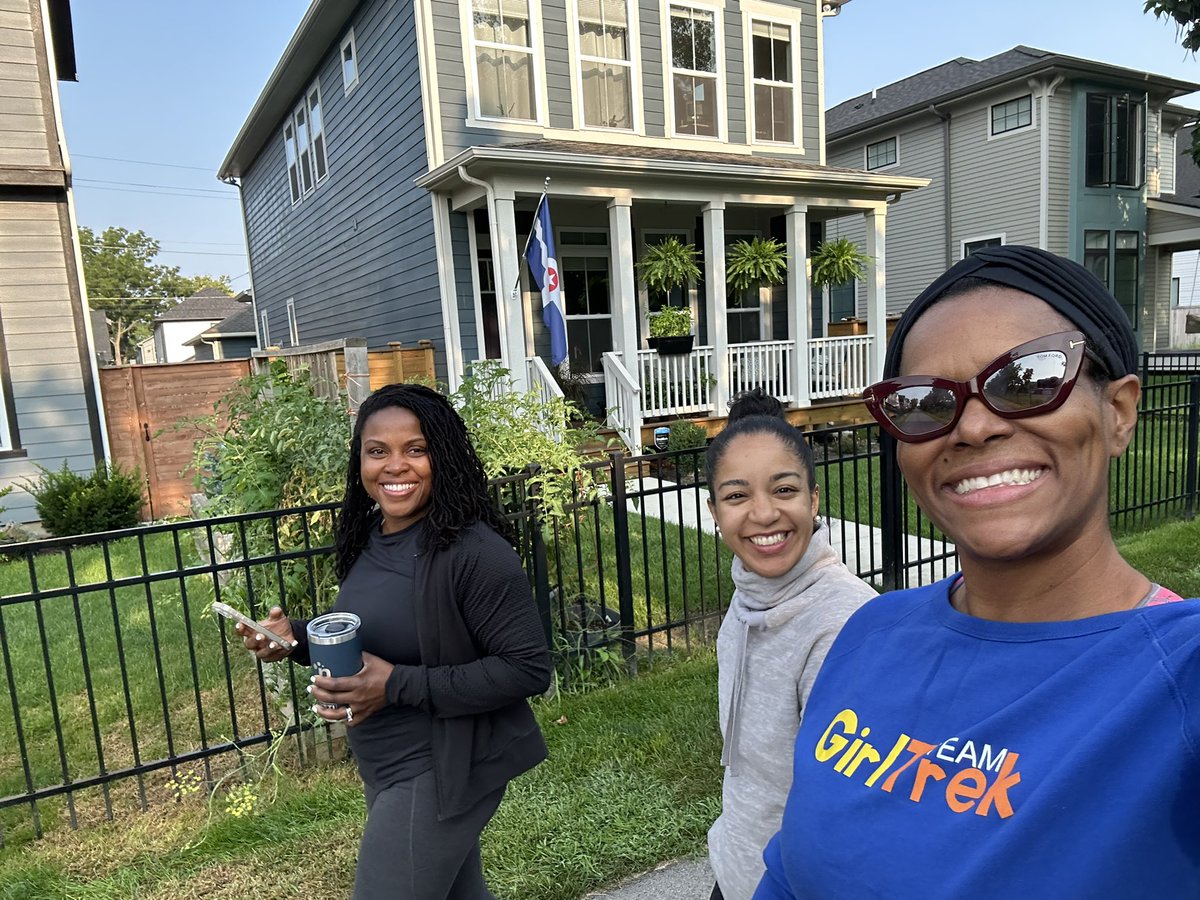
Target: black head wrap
1067 286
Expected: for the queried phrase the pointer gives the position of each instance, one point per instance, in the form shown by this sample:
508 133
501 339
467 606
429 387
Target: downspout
947 194
501 323
1047 91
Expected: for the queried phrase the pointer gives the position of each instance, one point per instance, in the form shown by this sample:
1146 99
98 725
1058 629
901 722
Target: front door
583 261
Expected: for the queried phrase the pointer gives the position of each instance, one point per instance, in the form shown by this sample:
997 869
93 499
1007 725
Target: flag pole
529 237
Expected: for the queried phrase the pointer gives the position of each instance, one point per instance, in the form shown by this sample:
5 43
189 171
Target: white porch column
444 247
512 301
799 303
622 286
714 294
876 290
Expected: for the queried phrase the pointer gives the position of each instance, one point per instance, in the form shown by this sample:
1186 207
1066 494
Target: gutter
947 191
1047 91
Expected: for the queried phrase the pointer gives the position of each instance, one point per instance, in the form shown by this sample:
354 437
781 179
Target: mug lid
333 628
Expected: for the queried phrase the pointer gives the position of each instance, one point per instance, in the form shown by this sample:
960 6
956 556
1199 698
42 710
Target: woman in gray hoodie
793 594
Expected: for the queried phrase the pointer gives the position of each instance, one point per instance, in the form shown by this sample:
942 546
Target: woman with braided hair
437 718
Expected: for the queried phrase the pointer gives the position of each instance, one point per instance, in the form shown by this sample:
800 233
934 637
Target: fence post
623 560
891 514
397 361
541 564
1192 455
358 373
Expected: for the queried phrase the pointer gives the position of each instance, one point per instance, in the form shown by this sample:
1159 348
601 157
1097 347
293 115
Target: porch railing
765 364
839 367
624 400
542 382
676 384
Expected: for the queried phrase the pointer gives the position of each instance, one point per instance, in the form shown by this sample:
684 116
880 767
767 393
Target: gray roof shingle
207 304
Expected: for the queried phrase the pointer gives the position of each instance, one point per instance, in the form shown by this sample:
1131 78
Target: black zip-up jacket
483 652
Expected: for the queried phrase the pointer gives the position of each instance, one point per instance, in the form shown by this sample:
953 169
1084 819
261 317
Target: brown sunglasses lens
1027 382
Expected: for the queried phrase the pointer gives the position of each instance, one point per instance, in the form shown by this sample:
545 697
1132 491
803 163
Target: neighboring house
49 408
189 318
234 337
1185 270
1028 147
390 170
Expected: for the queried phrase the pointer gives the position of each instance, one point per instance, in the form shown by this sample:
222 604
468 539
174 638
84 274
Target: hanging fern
755 263
837 262
668 264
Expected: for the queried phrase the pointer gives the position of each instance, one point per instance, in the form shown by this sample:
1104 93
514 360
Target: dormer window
504 59
695 81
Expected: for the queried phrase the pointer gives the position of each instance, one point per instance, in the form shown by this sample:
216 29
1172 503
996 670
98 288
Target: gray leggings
407 854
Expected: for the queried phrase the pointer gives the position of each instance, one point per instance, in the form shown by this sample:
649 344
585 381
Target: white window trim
474 117
764 291
6 439
313 135
298 194
664 7
1024 129
643 293
264 337
597 252
962 245
1167 149
575 64
303 103
293 327
756 12
348 40
867 156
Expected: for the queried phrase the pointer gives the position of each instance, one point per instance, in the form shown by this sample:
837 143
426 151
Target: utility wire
149 185
145 162
130 190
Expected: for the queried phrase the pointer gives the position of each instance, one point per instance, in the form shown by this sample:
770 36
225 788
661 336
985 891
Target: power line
149 185
145 162
161 250
165 193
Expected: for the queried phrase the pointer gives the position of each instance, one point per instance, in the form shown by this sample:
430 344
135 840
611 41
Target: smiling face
764 504
397 472
1007 489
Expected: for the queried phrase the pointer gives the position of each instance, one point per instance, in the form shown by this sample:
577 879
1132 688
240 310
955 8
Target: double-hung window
695 82
304 144
349 51
882 154
293 326
605 63
502 37
1115 137
772 76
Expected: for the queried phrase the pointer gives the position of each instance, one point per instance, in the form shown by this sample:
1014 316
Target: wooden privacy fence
144 405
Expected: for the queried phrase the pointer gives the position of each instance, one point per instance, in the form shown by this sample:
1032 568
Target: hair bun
756 402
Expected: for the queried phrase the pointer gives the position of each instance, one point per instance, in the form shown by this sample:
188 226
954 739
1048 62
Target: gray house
391 167
234 337
1029 147
49 409
177 331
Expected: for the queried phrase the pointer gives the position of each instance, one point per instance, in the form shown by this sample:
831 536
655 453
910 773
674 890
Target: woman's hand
358 696
265 649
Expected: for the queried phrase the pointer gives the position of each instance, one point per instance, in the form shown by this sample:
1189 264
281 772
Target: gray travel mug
334 646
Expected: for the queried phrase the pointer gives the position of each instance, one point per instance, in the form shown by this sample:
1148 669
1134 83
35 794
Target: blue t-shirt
943 755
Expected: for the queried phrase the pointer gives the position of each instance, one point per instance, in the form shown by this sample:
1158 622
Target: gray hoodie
769 649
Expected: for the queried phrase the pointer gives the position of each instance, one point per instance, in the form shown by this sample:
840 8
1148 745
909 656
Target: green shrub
69 503
686 435
671 321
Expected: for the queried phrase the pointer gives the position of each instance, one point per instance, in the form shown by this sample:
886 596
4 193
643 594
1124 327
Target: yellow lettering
897 749
832 744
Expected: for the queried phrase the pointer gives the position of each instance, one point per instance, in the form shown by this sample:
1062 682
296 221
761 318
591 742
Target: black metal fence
116 675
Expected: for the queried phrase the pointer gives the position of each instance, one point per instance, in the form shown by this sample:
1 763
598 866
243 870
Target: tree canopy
124 281
1186 16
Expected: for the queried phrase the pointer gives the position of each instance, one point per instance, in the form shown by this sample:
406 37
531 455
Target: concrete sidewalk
681 879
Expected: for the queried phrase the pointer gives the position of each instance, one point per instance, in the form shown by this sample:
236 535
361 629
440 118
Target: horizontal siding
1160 222
735 76
1059 164
357 254
25 130
810 81
42 347
460 247
654 98
915 235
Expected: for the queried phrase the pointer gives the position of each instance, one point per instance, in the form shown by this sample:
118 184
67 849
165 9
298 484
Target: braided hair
459 497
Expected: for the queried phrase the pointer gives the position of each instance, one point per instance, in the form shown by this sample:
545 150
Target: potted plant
664 266
758 262
837 262
671 330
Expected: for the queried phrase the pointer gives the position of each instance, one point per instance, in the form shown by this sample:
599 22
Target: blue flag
543 266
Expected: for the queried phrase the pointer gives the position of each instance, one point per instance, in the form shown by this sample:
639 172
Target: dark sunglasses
1029 380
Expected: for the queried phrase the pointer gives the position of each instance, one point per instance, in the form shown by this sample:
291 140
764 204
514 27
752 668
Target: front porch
606 208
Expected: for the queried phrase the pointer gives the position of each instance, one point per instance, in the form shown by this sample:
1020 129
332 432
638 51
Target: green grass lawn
632 779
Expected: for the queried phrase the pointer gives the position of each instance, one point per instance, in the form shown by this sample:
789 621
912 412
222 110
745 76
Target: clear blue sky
171 81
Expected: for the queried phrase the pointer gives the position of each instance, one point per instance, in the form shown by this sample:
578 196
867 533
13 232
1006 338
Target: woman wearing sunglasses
1029 727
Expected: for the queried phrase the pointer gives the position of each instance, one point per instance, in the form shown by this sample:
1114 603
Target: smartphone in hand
224 609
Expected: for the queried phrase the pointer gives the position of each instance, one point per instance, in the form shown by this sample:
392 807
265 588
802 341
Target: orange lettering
997 792
960 796
917 749
925 771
